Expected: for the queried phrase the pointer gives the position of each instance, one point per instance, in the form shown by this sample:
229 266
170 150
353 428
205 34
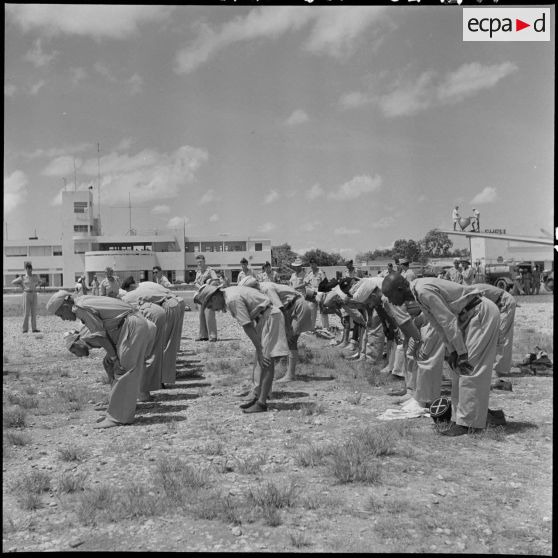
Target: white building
83 249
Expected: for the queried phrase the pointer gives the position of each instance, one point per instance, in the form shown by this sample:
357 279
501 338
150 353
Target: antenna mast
75 176
99 184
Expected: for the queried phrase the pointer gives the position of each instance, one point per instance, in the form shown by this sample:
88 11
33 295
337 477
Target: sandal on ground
249 403
106 423
257 407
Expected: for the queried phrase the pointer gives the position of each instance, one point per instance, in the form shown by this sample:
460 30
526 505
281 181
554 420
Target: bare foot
107 423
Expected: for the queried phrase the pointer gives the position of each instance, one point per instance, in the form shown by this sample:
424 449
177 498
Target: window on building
57 250
40 251
258 247
235 246
12 251
81 228
80 207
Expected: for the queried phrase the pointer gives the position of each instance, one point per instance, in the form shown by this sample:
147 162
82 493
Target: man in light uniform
110 285
124 333
455 217
454 273
263 324
296 313
246 271
29 283
312 280
506 305
268 274
467 273
469 324
297 278
475 223
208 324
160 278
409 274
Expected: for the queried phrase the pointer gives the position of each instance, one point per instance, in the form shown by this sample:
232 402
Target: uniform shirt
29 283
453 274
206 277
245 303
455 214
272 276
363 289
146 291
280 295
102 315
249 273
409 274
297 280
441 302
312 279
468 276
110 287
162 280
489 291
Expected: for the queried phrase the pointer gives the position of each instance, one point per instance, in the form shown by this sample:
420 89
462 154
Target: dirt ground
485 493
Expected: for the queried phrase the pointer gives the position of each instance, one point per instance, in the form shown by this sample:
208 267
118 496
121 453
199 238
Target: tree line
435 244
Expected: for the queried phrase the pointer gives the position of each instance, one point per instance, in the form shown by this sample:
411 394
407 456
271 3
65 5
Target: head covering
390 264
56 300
404 261
27 264
70 337
349 263
465 260
249 282
243 261
267 264
205 293
109 268
128 282
200 257
297 262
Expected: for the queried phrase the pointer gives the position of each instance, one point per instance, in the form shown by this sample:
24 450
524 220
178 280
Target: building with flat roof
82 249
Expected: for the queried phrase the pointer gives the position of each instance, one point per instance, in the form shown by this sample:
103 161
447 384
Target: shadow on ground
174 396
515 427
287 394
150 407
294 406
307 378
157 419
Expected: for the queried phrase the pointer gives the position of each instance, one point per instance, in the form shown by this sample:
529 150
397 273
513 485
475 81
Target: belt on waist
471 304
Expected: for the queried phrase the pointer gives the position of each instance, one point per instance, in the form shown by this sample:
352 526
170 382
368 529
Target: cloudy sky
341 127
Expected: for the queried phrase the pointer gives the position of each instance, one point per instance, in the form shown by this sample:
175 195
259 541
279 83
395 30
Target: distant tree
374 255
282 256
436 244
323 258
409 249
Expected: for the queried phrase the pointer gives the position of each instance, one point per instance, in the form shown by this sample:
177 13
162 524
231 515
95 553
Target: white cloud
59 151
488 195
125 144
383 223
297 117
9 89
214 218
136 83
354 99
356 187
333 32
97 21
146 176
429 90
39 58
15 190
468 79
177 222
208 197
161 210
77 75
267 227
315 192
271 197
36 87
345 231
103 69
310 226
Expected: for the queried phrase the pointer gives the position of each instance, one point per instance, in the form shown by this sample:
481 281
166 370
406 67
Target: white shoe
353 357
405 398
412 405
385 370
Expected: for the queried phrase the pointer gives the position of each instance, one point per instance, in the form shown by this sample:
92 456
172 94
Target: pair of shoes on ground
106 422
253 406
458 430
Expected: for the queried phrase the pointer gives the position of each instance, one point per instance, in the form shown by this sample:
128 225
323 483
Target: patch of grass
14 417
216 447
30 390
250 466
18 438
270 495
29 488
180 479
69 483
24 401
71 452
92 502
73 396
354 398
135 501
30 501
379 440
317 409
311 455
224 366
299 540
64 373
305 355
214 505
350 462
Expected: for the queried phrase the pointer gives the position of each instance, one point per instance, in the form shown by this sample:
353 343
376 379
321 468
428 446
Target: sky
342 128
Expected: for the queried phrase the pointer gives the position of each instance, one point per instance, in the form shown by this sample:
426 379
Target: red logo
519 24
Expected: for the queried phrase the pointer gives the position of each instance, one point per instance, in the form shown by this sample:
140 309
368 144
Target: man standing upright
454 273
208 324
297 278
312 280
469 325
29 283
268 274
160 278
455 217
246 271
476 220
409 274
467 273
110 285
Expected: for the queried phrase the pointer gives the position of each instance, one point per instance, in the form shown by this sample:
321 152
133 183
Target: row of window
221 247
80 207
32 251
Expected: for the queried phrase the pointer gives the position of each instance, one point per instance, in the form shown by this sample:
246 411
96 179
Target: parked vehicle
548 279
500 275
